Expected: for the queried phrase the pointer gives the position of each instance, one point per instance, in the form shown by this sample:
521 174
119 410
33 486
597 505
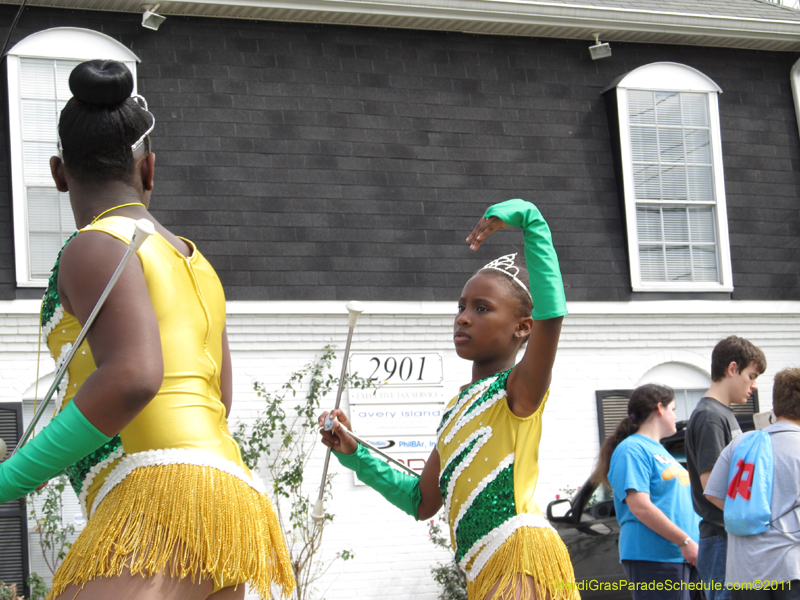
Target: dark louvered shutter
748 408
13 516
612 407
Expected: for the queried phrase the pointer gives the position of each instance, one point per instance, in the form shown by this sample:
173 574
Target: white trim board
335 307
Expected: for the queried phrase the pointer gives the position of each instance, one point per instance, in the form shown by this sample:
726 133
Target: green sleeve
68 438
547 288
401 489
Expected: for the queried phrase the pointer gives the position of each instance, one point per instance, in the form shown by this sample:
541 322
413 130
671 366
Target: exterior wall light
150 20
599 50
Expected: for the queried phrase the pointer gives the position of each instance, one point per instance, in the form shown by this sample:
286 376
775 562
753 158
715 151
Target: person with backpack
765 565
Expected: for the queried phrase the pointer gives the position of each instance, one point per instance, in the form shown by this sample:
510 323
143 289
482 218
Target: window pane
644 144
44 210
676 225
62 71
673 183
679 263
36 78
44 249
695 110
647 182
648 224
641 108
668 109
704 259
698 146
677 243
701 224
670 145
701 183
651 261
39 120
36 162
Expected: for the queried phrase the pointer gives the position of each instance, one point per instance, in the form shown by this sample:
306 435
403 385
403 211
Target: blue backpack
749 496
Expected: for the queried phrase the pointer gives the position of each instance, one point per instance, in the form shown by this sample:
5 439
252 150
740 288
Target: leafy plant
37 586
278 442
450 577
9 592
54 535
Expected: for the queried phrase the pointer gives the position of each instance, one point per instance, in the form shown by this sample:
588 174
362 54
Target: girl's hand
484 229
337 439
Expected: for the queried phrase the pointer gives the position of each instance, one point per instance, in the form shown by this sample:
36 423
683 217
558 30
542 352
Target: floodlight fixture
150 20
599 50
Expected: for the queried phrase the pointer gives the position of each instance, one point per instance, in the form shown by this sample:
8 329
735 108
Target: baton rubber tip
355 308
3 449
318 514
144 229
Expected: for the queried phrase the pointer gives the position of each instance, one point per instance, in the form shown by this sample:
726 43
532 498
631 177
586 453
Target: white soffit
761 26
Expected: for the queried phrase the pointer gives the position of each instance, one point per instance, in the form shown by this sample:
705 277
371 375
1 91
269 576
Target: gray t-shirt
711 427
775 554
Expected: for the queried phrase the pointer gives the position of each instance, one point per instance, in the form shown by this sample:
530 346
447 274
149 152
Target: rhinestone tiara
505 264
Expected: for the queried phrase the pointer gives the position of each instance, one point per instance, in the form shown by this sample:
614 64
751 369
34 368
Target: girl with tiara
485 465
142 430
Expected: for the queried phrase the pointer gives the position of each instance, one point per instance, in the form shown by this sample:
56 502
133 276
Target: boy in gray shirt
772 556
735 365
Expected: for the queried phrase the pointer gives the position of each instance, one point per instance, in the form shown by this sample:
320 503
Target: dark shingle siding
315 162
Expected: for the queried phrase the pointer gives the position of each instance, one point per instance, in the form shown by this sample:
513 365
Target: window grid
44 91
672 162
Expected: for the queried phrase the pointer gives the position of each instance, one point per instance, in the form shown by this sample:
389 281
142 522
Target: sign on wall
399 369
401 413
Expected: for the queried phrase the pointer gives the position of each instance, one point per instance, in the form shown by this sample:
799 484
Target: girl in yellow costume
159 477
485 466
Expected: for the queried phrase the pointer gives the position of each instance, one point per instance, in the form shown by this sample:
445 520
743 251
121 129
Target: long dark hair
643 402
100 122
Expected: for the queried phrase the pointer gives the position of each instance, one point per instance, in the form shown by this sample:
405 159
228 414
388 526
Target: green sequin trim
497 386
494 506
447 473
50 301
464 393
77 473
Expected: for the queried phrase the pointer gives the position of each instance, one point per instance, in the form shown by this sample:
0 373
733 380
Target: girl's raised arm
529 381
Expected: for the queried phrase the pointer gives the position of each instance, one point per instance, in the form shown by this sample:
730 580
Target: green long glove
401 489
68 438
547 289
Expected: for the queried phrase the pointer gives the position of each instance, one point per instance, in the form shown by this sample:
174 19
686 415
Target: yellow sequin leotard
489 468
171 490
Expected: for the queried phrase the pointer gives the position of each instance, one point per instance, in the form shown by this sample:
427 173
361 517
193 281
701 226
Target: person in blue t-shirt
659 528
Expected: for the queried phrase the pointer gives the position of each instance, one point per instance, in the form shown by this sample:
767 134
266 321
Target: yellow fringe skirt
185 520
535 551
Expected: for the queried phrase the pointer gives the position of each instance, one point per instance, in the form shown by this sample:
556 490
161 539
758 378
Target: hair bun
101 82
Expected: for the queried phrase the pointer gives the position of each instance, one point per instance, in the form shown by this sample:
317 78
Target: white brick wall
603 346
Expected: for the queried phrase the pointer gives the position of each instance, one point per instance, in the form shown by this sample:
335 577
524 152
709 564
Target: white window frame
59 43
674 77
794 79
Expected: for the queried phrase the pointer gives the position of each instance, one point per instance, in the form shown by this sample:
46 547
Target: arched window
38 73
689 383
670 156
